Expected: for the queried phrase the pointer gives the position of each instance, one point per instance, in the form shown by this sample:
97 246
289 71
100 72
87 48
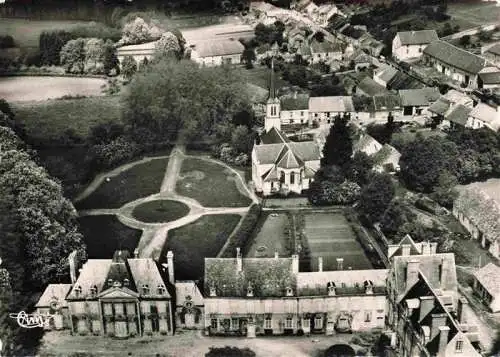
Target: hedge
241 237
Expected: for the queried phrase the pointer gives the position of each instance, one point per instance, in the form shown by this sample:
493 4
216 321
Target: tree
94 51
376 196
325 192
138 31
73 56
394 218
248 56
229 352
129 67
338 145
445 192
464 41
242 140
110 60
360 168
423 160
168 46
50 44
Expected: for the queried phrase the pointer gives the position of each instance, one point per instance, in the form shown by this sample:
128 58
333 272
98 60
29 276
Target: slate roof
218 48
54 292
408 38
288 160
94 272
269 277
455 56
489 277
118 273
386 102
370 87
184 289
148 47
495 49
146 272
419 97
490 77
337 104
298 102
273 136
403 81
459 114
271 175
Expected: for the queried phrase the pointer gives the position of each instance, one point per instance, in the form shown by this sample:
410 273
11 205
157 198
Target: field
330 236
194 242
27 32
52 118
24 89
271 236
160 211
103 235
141 180
211 184
475 14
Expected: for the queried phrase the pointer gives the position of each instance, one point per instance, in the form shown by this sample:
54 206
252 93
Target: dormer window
110 282
93 290
78 290
250 291
161 289
368 286
145 289
289 292
126 282
212 290
331 288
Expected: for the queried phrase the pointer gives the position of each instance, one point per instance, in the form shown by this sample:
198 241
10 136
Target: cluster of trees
89 55
139 31
38 228
269 34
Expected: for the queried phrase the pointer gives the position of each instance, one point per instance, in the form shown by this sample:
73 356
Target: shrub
241 237
109 155
97 30
7 42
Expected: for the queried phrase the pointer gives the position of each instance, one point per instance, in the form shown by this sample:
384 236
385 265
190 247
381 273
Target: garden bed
194 242
273 235
141 180
211 184
103 235
160 211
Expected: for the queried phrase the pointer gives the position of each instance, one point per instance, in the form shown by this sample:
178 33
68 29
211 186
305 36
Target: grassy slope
50 119
194 242
105 234
160 211
208 191
139 181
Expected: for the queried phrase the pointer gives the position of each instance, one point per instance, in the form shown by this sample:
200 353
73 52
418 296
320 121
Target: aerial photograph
235 178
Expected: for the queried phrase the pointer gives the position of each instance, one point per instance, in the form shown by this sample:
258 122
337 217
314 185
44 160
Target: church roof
273 136
289 160
271 175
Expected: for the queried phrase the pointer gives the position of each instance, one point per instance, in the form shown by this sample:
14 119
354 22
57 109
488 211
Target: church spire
272 88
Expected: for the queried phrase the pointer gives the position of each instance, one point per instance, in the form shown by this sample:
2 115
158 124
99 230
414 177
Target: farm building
492 54
217 52
484 115
386 106
325 51
442 110
417 101
138 52
323 110
410 44
487 286
489 80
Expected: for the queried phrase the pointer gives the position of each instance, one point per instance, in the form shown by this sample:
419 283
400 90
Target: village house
410 45
492 54
294 110
489 79
366 144
386 106
296 37
137 52
484 115
217 52
450 109
416 102
487 286
477 209
387 159
384 75
393 79
323 110
269 296
368 87
454 62
325 51
425 313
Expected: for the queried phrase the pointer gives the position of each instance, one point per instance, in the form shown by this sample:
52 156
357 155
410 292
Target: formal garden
273 235
158 211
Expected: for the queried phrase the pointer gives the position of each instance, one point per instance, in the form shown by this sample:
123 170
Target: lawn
468 252
52 118
26 33
160 211
271 237
194 242
211 184
141 180
330 236
103 235
474 13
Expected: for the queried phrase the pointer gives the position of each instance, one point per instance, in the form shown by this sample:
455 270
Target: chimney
433 248
170 266
411 273
443 340
438 320
426 248
461 313
136 253
426 306
72 260
320 263
340 263
405 250
239 261
276 255
295 264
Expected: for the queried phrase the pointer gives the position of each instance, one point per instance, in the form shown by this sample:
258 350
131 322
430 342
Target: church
280 166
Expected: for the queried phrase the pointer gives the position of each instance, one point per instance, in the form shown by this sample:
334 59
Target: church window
292 178
282 177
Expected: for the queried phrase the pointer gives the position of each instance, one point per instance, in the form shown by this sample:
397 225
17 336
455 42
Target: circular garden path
154 235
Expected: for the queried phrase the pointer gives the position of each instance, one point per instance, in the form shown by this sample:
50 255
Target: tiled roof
185 289
403 81
417 37
370 87
269 153
419 97
494 49
289 161
271 175
54 293
440 106
459 114
337 104
218 48
269 277
454 56
490 77
273 136
415 248
305 150
387 155
485 113
386 73
387 102
295 102
146 272
142 48
365 142
309 173
93 272
489 277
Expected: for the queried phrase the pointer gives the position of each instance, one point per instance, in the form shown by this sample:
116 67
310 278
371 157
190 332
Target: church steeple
272 86
273 109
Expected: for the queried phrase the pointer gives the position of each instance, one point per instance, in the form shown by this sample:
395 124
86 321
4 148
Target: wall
216 60
408 52
294 116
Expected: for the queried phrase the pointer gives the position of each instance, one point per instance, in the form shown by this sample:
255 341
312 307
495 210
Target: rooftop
417 37
325 47
370 87
419 97
495 49
295 102
455 56
218 48
490 77
387 102
54 293
338 104
489 277
459 114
